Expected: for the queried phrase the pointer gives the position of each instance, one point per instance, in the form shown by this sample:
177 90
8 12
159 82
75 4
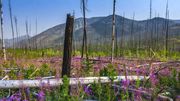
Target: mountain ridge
99 27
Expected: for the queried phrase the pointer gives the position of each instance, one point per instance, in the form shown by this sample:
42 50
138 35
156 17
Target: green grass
31 54
105 52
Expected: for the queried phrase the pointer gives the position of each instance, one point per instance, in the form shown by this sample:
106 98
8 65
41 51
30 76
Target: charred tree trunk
84 45
113 30
74 40
66 66
167 30
2 34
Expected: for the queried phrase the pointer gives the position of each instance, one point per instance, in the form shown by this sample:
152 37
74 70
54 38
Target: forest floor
98 63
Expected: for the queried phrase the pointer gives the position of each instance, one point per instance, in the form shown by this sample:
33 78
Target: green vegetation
127 53
165 83
31 54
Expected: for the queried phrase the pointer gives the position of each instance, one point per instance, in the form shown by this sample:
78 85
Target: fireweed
154 79
104 92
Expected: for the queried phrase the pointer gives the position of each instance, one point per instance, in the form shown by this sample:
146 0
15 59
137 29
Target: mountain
101 27
177 21
55 35
9 42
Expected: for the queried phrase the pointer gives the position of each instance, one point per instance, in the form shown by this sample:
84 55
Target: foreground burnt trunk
67 46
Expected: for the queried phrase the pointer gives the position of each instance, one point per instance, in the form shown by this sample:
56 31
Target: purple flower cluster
41 96
138 71
125 83
88 90
165 72
154 79
14 97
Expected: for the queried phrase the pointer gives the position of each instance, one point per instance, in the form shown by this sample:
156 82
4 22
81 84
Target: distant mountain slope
9 42
100 27
177 21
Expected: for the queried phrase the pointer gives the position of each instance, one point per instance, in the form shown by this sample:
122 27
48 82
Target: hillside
9 42
100 28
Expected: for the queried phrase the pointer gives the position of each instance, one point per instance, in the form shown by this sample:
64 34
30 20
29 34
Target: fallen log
5 84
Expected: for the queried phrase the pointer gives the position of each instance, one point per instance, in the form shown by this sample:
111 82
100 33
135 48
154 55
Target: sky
53 12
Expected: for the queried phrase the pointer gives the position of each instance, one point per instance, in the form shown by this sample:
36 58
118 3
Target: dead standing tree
150 29
122 37
167 30
66 66
2 36
84 45
113 30
74 40
12 27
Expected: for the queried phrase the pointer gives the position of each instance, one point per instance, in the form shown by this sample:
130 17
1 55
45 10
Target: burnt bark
66 66
84 44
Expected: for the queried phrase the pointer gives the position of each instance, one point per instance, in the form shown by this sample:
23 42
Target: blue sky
53 12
